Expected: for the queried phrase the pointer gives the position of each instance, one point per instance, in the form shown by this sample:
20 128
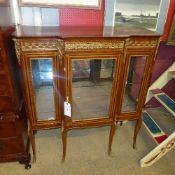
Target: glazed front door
92 84
42 74
135 83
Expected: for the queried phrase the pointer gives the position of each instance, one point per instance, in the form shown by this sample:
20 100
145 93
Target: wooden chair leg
136 131
111 136
32 141
64 141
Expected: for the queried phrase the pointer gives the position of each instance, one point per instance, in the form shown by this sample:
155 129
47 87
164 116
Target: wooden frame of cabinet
28 57
64 49
35 123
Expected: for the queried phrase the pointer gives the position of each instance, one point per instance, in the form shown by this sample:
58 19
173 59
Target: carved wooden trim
90 45
60 48
18 49
135 43
38 45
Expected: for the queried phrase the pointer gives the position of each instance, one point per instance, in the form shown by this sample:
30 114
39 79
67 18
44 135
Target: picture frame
171 36
90 4
139 13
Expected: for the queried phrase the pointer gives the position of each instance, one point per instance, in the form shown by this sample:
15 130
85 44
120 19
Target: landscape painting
171 37
139 13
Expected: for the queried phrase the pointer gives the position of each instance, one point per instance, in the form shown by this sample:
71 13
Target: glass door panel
134 80
42 83
92 81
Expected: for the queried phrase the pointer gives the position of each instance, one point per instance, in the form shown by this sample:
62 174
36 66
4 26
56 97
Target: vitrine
76 78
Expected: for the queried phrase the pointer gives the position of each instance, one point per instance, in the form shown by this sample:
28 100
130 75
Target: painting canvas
171 37
139 13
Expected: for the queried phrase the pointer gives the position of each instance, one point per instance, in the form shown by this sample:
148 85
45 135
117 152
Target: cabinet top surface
80 32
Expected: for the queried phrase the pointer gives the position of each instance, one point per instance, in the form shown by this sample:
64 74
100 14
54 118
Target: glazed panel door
43 88
136 74
92 86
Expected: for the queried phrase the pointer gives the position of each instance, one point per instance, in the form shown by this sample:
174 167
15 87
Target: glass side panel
92 81
42 78
133 83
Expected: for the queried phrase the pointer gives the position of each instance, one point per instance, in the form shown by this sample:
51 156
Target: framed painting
171 36
94 4
148 14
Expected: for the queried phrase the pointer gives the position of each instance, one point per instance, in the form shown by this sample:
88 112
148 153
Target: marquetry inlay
18 49
90 45
38 45
135 43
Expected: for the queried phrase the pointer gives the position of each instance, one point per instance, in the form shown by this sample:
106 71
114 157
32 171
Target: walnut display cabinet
76 78
13 122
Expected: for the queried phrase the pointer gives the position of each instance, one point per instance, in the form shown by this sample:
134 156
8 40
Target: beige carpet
87 152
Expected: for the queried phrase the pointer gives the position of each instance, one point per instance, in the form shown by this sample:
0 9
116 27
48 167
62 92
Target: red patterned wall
83 17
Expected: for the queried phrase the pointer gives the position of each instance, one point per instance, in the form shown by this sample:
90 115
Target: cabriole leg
111 136
136 131
32 141
64 141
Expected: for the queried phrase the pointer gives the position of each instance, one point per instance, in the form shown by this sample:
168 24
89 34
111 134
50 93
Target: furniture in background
14 141
77 78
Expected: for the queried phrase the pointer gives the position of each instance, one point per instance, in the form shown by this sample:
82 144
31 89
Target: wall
83 17
35 16
63 17
165 57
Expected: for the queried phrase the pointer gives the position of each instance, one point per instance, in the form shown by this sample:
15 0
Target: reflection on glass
91 87
42 77
133 84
